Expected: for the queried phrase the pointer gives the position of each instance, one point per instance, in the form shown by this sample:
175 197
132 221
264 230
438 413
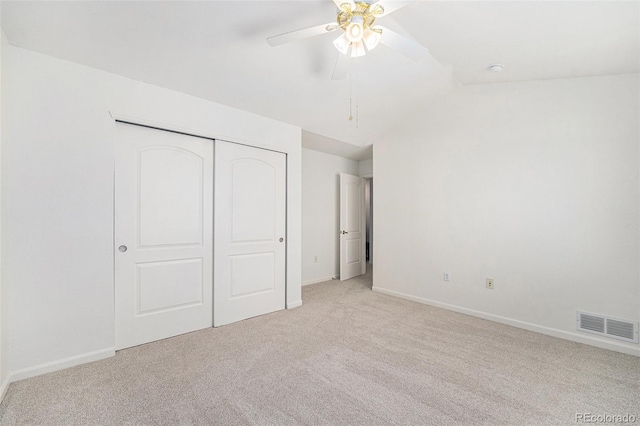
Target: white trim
294 304
554 332
320 280
61 364
4 387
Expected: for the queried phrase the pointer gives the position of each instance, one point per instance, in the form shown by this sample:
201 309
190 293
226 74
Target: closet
199 233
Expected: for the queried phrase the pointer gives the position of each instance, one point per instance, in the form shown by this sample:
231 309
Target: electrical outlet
315 259
446 276
490 283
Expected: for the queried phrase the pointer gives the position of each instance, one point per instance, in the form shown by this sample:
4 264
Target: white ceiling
216 50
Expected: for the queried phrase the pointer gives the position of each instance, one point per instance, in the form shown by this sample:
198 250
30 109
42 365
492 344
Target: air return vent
608 327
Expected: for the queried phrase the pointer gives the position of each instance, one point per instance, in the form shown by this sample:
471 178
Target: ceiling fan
356 21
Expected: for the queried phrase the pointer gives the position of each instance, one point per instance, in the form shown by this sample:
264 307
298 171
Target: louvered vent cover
592 323
620 329
608 327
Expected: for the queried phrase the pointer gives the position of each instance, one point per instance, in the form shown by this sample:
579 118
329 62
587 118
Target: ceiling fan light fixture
371 38
342 43
360 34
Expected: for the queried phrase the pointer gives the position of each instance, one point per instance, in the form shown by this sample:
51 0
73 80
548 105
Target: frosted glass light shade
342 43
371 38
355 30
357 49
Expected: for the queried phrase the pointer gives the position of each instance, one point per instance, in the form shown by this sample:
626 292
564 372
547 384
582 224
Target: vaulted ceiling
217 50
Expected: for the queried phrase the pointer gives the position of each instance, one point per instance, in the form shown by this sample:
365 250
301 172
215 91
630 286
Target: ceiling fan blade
342 66
410 48
389 6
300 34
351 3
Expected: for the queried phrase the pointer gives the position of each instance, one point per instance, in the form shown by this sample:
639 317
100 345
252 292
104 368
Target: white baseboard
554 332
4 386
319 280
295 304
61 364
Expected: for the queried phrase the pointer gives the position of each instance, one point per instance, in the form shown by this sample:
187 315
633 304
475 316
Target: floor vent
608 327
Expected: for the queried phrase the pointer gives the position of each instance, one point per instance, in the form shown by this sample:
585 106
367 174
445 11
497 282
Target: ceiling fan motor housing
364 13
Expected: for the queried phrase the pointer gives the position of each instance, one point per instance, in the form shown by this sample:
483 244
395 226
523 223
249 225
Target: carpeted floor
347 356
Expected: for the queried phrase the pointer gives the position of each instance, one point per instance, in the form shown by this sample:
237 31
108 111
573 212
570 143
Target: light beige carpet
347 356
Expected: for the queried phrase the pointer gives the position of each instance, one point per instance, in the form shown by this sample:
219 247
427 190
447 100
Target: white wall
4 299
534 184
365 168
60 199
321 213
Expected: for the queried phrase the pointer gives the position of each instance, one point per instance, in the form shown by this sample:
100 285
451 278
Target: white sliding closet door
250 240
163 234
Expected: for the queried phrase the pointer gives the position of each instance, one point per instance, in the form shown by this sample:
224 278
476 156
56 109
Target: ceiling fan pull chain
357 98
350 91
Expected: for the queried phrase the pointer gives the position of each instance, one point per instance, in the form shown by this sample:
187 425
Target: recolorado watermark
605 418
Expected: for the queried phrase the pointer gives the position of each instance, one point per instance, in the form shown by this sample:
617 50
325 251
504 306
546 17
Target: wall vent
608 327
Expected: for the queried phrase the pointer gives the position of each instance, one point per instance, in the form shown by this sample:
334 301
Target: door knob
281 239
344 232
122 249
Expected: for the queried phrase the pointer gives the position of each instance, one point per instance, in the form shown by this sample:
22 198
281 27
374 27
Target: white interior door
250 240
352 227
163 234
